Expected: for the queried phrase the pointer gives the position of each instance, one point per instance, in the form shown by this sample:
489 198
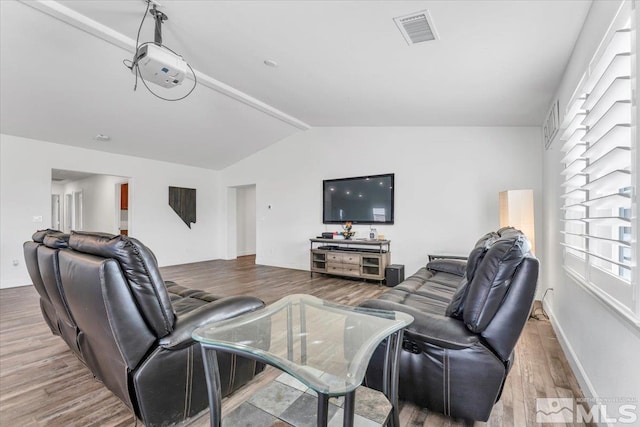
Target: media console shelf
366 259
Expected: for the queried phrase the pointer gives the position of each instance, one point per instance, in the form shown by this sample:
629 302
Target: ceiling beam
109 35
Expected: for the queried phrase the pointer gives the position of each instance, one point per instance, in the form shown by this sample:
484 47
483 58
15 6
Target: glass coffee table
324 345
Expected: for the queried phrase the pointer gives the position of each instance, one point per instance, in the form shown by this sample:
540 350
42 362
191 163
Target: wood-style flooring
43 384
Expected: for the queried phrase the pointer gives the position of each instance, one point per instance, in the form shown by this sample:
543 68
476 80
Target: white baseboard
245 253
6 284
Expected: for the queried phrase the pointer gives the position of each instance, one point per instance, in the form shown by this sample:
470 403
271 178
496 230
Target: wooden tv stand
366 259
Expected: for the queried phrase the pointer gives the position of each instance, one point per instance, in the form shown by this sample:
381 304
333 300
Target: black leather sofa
103 294
468 317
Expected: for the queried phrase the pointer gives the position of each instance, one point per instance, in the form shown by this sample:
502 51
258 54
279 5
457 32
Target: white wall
602 347
25 191
447 182
246 220
57 188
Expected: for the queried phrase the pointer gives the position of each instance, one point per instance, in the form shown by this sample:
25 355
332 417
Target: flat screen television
361 200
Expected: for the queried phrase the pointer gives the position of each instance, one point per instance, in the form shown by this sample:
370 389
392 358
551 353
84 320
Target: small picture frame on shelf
373 234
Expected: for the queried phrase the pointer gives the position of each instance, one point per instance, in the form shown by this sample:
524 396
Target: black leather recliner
105 296
468 317
33 267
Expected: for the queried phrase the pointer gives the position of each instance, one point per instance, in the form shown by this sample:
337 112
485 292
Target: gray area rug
288 402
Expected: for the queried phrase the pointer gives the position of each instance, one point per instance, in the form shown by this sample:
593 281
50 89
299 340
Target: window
597 171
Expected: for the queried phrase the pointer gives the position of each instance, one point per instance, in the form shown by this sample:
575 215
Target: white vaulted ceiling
340 63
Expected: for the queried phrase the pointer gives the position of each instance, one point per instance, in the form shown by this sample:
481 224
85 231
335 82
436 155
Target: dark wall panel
183 202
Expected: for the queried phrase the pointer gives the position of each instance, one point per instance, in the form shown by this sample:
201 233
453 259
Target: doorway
88 201
122 194
246 220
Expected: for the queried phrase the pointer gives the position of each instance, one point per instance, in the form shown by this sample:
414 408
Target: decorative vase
347 233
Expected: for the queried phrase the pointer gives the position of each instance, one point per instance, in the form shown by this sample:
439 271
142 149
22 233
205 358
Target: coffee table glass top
325 345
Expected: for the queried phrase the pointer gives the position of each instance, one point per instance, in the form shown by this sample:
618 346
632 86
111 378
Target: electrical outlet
15 262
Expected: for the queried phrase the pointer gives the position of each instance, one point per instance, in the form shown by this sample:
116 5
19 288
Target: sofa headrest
56 241
39 235
477 253
139 266
510 232
493 276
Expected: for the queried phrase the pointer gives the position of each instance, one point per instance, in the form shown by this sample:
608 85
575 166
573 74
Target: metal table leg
323 410
213 385
394 374
289 333
386 365
303 335
349 409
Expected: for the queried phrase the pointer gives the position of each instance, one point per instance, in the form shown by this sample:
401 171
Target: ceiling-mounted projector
155 63
159 65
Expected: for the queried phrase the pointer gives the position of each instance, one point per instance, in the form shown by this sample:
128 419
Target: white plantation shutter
597 180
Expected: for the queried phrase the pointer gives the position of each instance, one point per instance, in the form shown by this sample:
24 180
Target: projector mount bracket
159 17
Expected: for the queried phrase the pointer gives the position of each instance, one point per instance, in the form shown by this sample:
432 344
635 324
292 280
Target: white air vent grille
417 27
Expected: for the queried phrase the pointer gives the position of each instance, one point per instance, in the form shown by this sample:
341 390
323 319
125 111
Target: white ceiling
341 63
59 175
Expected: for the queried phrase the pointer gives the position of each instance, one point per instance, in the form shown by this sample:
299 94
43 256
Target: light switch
37 218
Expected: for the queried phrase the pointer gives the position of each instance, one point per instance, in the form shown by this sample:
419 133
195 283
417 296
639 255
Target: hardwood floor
43 384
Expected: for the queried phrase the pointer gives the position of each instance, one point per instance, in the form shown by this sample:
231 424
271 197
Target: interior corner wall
601 347
25 192
447 181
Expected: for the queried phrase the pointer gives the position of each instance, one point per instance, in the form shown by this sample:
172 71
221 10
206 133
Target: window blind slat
574 153
618 91
578 165
578 193
588 237
577 207
575 138
618 136
576 181
584 251
618 114
610 183
608 220
618 67
608 160
574 108
609 201
574 124
619 44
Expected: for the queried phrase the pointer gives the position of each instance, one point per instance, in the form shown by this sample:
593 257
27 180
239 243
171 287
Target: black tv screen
361 200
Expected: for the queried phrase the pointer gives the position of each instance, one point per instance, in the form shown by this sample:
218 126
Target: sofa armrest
222 309
443 331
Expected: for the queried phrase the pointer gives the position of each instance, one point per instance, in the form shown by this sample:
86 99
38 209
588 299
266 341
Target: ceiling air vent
417 27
